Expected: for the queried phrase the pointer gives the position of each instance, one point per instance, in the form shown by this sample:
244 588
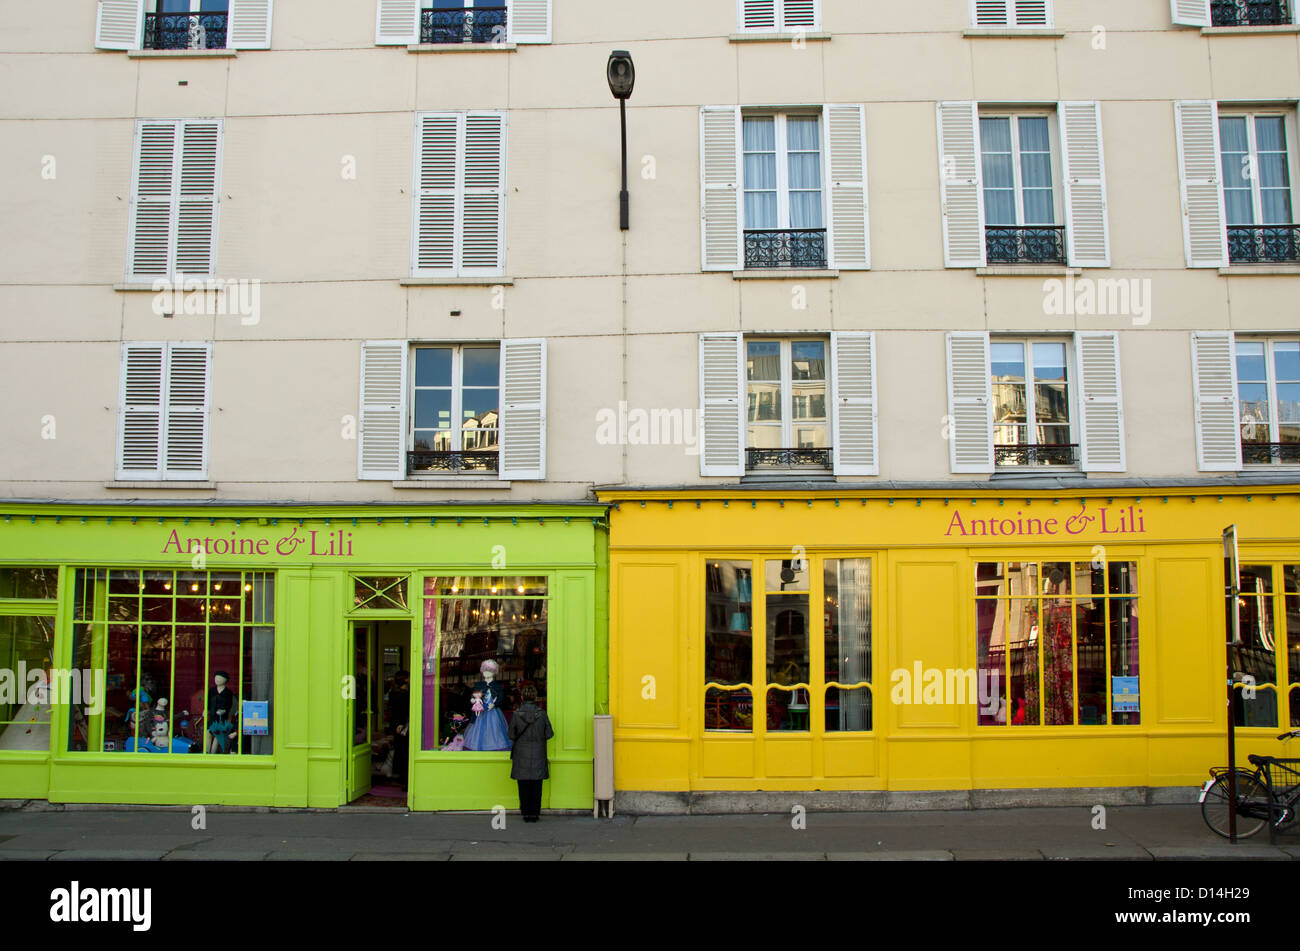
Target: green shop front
304 656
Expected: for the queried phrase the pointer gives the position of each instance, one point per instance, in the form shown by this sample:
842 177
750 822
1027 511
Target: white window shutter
1218 416
961 184
529 21
153 194
722 405
1205 235
757 14
1087 230
847 150
970 403
483 195
1190 12
853 365
1101 402
720 190
1033 12
199 197
990 12
189 383
381 442
438 153
119 25
250 25
523 409
800 14
140 429
397 22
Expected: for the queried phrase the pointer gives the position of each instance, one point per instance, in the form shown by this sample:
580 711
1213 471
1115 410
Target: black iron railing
471 25
185 31
1021 245
1249 12
1263 244
1044 454
428 461
805 249
788 459
1263 453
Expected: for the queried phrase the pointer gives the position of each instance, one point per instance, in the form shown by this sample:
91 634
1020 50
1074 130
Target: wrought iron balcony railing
1043 454
185 31
789 459
1264 453
429 461
471 25
1263 244
803 249
1025 245
1249 12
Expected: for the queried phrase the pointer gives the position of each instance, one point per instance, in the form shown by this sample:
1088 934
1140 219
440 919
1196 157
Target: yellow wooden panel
926 627
645 645
1189 643
845 757
788 757
651 764
727 759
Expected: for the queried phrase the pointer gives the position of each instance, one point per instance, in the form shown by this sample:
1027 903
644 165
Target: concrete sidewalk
42 832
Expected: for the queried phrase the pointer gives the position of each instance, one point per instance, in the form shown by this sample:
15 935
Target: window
769 16
1021 13
27 655
1268 395
164 403
379 593
1057 643
463 21
175 198
485 638
459 214
1265 665
178 25
1031 403
486 23
187 657
1257 189
455 418
1020 200
1233 12
815 666
786 398
784 223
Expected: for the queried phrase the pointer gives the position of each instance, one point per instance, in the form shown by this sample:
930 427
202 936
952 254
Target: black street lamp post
622 77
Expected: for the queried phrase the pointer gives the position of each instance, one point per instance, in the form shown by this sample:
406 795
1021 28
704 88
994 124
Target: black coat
530 728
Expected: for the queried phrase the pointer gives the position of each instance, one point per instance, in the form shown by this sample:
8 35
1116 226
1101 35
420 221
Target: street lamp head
621 74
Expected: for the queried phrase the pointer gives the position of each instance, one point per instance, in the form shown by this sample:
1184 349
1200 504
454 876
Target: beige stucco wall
330 251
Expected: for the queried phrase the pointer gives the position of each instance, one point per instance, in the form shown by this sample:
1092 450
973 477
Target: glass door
361 709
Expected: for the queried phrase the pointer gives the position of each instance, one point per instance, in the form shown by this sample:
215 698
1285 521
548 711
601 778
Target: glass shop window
847 586
184 660
485 637
1266 663
729 646
26 669
29 583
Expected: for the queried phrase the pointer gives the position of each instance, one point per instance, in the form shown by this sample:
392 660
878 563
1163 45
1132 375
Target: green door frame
359 766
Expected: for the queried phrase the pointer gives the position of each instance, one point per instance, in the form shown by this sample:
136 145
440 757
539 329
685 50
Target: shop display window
485 637
1266 662
847 586
27 662
187 660
1059 639
729 646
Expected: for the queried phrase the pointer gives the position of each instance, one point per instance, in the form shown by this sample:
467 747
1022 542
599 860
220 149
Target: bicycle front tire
1251 793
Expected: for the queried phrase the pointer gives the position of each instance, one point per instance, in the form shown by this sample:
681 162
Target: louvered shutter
530 21
523 409
119 24
847 150
993 13
200 180
720 188
1087 231
800 14
437 167
853 363
722 405
381 442
961 184
397 22
250 25
1205 236
1218 416
1190 12
483 194
140 432
970 403
1101 402
1033 12
153 201
185 446
757 15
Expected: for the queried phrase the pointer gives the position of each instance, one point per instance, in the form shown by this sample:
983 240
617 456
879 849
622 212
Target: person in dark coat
530 728
400 702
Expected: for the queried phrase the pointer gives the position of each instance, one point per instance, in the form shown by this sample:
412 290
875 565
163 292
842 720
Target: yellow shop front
837 641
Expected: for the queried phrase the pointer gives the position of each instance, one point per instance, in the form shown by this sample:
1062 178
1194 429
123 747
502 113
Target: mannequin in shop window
221 714
488 731
1058 659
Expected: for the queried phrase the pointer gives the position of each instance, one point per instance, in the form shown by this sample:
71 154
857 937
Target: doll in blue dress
488 731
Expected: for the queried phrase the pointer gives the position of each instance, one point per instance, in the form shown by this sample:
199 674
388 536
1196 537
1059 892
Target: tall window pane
729 646
847 586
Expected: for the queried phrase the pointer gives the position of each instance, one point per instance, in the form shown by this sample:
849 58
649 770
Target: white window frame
778 19
1054 141
783 165
787 387
1011 18
1072 383
457 391
1270 374
1288 117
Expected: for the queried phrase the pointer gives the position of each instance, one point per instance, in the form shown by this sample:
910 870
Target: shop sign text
332 544
1107 520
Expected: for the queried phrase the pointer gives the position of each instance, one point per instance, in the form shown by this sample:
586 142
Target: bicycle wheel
1252 805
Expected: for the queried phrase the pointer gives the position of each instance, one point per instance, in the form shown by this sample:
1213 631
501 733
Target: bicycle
1259 797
